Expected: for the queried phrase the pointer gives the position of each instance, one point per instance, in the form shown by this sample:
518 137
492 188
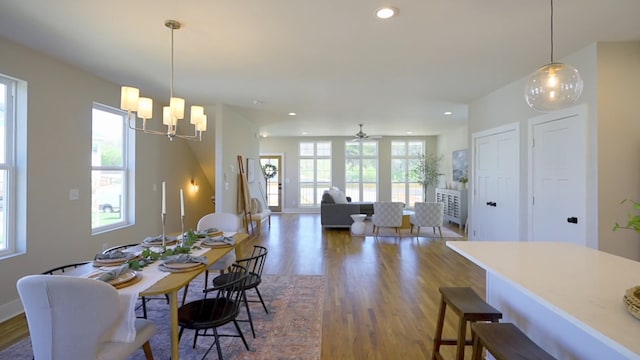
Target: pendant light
553 86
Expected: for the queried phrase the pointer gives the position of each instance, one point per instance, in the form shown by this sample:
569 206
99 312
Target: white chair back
67 316
222 221
428 214
387 214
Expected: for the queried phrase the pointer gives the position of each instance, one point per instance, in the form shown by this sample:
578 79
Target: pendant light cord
552 31
172 60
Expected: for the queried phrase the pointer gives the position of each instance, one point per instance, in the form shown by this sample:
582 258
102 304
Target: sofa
336 209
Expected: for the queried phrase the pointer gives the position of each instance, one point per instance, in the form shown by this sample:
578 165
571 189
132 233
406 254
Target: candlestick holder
164 238
182 228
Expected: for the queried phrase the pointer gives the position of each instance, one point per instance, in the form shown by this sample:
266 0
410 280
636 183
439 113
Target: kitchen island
567 298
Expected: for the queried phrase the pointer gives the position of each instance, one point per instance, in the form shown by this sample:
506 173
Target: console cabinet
455 205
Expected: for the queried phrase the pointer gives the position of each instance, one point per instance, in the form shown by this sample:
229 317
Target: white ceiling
332 62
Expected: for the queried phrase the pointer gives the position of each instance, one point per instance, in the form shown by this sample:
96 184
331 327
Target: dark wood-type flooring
381 295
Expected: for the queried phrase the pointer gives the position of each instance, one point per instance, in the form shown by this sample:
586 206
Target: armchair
428 214
387 214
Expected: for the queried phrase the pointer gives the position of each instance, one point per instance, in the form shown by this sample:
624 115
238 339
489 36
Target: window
111 172
315 171
361 169
7 166
404 156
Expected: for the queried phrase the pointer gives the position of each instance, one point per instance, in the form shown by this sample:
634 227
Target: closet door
558 177
495 199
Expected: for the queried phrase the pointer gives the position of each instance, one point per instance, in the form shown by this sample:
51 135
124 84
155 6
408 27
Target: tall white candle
181 203
164 198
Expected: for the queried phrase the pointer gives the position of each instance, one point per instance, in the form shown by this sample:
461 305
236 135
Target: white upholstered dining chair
428 214
387 214
226 222
71 318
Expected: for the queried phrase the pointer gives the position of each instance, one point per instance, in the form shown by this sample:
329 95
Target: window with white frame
404 157
8 148
314 172
111 169
361 170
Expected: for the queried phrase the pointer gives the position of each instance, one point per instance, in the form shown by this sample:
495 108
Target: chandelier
132 102
553 86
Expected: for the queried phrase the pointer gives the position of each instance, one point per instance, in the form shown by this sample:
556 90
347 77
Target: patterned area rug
425 232
291 330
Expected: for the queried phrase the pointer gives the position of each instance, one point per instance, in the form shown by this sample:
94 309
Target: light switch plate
74 194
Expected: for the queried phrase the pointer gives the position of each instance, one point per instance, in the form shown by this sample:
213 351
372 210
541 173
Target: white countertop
583 285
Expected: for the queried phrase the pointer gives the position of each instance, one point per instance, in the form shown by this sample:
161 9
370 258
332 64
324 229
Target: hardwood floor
381 296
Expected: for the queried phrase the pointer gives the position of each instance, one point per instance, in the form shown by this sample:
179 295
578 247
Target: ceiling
332 62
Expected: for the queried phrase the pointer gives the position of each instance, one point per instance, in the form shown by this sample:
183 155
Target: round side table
357 228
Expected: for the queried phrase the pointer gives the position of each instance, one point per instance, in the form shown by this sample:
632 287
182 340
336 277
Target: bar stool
470 308
504 341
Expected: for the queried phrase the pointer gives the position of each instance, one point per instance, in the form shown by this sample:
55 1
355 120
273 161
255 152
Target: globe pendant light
553 86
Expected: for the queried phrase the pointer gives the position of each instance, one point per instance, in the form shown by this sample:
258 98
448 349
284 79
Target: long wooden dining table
171 284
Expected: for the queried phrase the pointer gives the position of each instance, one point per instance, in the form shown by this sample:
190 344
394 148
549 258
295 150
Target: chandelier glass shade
142 107
553 86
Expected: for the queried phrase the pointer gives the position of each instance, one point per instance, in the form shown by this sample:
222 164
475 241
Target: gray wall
60 99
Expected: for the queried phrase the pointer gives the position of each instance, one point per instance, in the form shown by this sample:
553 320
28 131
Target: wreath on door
269 171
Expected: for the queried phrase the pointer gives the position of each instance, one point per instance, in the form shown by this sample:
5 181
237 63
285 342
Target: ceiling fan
360 135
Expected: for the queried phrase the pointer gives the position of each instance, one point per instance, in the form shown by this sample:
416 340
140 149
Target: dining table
167 284
170 285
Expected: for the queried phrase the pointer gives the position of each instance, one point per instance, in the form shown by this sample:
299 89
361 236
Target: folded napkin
113 274
116 254
158 239
218 240
186 258
207 231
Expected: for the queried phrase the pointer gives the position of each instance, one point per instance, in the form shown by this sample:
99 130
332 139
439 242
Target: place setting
118 276
183 263
114 258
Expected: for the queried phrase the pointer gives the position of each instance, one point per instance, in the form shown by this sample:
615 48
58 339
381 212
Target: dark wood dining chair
254 265
219 306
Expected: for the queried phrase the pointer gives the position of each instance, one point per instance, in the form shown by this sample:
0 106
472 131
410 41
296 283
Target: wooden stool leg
462 338
437 338
476 353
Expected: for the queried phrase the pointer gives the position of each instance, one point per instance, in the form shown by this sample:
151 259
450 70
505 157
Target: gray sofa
338 215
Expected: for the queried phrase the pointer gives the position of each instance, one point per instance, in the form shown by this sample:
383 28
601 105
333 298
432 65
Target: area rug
425 232
291 330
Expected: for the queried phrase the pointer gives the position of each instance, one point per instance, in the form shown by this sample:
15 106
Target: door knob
573 220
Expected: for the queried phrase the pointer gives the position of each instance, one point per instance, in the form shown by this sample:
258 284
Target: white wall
448 142
612 137
60 99
289 147
235 135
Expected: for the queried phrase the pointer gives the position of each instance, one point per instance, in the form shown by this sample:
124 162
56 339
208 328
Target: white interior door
495 201
558 180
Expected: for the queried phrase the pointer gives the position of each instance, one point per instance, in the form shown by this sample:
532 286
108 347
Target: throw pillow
254 206
338 197
326 198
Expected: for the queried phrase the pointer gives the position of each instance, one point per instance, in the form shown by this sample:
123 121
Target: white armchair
387 214
224 222
70 318
428 214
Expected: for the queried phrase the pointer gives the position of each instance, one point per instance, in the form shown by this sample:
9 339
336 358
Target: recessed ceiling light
292 114
409 132
386 12
257 102
304 133
448 113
